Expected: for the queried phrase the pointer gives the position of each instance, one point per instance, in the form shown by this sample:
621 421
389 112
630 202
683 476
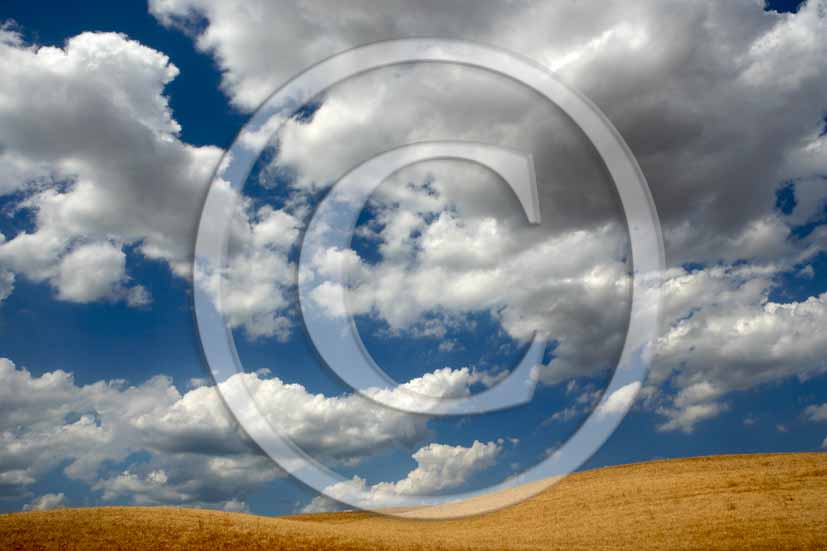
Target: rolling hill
755 502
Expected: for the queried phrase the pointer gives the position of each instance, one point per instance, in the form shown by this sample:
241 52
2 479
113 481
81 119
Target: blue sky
732 375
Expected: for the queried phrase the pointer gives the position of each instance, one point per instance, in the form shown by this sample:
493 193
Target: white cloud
6 285
34 403
144 187
686 418
691 405
6 277
807 272
50 421
735 337
581 405
719 102
109 174
439 467
156 488
698 392
723 334
46 502
453 242
338 427
236 506
679 73
676 94
89 142
150 489
138 295
450 253
816 412
196 452
90 272
619 401
252 289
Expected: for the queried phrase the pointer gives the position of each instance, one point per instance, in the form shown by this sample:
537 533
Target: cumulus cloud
253 288
236 506
90 272
584 401
150 489
724 333
619 401
679 77
454 242
685 418
816 412
89 148
439 467
196 452
720 102
734 337
6 283
51 421
46 502
325 427
679 73
109 177
701 146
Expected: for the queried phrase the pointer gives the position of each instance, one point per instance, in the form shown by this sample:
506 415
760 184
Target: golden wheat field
752 502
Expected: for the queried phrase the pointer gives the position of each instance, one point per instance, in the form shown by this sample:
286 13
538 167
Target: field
754 502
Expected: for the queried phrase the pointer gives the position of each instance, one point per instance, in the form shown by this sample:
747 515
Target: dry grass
755 502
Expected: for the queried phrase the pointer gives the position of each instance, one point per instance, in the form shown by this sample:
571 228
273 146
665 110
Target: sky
113 121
